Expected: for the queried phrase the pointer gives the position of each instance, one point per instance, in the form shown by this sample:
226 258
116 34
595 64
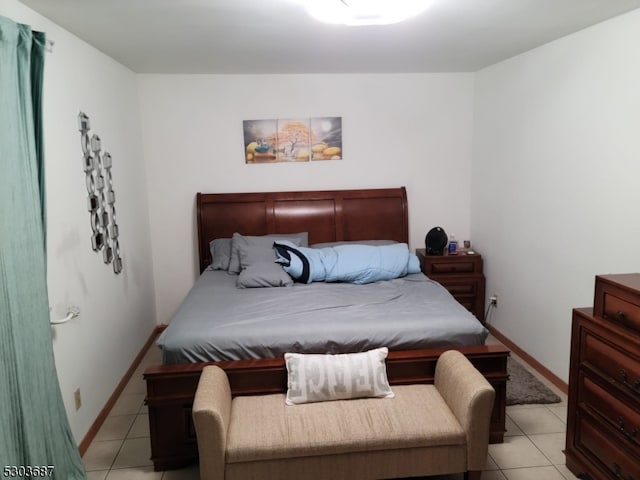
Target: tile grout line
555 467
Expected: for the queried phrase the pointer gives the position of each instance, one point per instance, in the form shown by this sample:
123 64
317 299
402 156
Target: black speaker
436 241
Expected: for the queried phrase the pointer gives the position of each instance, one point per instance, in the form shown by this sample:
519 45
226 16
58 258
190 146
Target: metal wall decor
101 197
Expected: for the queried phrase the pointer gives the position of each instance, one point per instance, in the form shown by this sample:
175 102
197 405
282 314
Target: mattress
218 321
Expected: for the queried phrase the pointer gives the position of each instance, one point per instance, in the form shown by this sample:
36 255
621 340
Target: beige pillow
320 377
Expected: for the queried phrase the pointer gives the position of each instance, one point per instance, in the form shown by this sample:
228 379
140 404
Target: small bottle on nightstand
453 245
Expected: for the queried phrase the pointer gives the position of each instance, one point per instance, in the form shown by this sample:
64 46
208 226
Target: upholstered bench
424 430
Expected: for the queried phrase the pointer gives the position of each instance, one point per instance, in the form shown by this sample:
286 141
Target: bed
219 321
251 328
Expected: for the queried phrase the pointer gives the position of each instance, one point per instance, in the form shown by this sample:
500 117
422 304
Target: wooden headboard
328 215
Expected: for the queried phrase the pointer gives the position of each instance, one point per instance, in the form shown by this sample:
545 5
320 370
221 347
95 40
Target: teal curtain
34 428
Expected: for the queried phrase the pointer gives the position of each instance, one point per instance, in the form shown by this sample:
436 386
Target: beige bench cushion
264 428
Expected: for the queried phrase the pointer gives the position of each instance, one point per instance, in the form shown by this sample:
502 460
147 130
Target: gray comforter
218 321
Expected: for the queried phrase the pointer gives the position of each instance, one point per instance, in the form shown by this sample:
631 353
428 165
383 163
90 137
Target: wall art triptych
293 140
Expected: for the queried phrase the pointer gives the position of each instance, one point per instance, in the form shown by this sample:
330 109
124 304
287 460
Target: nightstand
461 274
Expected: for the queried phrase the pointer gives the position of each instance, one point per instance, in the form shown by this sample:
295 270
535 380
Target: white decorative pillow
321 377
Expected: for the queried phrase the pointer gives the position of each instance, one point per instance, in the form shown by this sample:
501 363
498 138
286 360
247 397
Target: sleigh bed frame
328 216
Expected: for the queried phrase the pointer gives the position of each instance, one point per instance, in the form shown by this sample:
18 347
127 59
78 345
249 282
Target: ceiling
277 36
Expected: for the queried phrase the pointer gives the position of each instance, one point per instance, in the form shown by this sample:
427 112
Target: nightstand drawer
467 302
616 302
451 267
459 289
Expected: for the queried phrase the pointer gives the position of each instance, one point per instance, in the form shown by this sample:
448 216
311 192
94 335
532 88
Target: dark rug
523 388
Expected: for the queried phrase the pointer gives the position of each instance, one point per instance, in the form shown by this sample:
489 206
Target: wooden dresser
603 417
461 274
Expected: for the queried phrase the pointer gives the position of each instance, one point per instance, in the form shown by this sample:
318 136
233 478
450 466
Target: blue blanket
346 263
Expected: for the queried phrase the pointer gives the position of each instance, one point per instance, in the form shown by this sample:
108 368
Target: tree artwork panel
326 134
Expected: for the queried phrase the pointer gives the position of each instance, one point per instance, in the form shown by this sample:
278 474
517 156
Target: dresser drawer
620 416
617 366
616 301
621 311
596 444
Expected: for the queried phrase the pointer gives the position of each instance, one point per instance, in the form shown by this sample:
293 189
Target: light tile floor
532 448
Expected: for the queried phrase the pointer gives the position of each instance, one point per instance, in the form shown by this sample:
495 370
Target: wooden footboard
171 388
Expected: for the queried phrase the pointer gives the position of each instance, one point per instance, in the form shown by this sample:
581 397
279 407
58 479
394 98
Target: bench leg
472 475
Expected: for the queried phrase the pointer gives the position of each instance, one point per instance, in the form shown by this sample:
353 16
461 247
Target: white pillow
321 377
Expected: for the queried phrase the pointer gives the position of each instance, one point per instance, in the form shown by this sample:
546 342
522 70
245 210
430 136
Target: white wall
556 180
411 130
94 351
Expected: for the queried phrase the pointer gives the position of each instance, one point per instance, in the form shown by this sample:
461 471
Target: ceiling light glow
365 12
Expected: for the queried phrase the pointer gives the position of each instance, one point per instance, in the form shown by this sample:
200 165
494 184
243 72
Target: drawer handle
621 316
635 386
616 469
630 435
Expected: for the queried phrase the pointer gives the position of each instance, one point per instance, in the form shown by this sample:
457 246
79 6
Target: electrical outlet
494 299
77 398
